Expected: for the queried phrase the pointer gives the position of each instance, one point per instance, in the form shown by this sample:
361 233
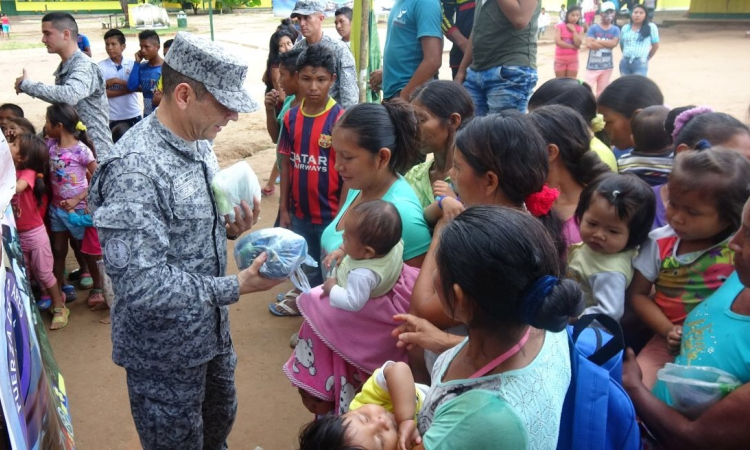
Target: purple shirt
660 219
68 171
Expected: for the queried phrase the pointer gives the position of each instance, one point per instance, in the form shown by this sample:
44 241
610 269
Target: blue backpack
597 413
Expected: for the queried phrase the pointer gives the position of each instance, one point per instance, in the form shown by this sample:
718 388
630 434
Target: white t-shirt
126 106
359 286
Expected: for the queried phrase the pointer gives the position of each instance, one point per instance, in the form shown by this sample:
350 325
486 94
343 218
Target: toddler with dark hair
370 259
652 156
615 214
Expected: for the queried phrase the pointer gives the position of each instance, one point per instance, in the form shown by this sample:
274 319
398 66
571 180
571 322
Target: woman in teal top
717 334
373 144
441 107
503 386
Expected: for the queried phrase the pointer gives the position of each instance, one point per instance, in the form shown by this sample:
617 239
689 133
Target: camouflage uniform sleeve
79 85
135 239
347 76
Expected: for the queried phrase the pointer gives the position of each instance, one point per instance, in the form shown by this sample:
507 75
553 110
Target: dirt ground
695 64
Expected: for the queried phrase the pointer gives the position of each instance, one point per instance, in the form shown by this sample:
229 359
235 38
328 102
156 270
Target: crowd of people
459 226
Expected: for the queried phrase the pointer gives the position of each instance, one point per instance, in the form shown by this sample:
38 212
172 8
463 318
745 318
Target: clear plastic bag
232 185
694 389
286 250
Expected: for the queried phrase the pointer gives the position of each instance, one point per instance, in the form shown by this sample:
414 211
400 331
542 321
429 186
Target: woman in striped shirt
639 41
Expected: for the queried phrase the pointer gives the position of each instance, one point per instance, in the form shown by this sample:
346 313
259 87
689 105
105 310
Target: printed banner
32 390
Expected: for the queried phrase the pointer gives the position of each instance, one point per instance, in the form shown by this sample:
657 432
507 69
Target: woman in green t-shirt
374 143
442 107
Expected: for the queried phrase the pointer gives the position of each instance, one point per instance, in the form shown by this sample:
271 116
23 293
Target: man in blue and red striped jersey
310 185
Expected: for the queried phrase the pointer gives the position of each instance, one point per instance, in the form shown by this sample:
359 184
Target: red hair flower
540 203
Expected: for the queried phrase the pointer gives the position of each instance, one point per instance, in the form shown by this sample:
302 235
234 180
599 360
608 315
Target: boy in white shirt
542 22
124 106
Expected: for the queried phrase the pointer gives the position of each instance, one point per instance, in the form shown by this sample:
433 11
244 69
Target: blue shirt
602 59
145 77
408 22
83 42
715 336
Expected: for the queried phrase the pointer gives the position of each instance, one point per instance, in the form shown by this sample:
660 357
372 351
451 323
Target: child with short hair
311 188
652 156
696 128
123 104
17 126
343 23
147 70
614 214
30 202
7 111
687 260
389 395
542 23
72 162
601 39
370 259
275 121
158 94
568 39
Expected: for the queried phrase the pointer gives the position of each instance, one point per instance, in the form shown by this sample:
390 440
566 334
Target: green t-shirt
415 233
495 42
419 179
280 118
476 420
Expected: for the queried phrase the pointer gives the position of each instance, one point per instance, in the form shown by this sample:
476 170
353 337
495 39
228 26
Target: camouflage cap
222 73
308 7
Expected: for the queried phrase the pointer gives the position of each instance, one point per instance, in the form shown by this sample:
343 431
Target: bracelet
232 238
440 199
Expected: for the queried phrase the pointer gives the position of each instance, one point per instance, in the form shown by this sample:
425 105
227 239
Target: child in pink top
568 39
72 162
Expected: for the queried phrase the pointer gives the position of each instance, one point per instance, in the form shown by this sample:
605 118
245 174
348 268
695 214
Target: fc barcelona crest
325 141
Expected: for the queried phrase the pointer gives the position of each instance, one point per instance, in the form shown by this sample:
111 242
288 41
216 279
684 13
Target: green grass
17 45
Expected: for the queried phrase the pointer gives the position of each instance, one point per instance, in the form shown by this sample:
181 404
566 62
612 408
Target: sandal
70 293
74 275
287 295
44 303
282 308
96 300
61 320
86 281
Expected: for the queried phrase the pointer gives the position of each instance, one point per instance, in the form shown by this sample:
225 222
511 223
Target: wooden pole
364 53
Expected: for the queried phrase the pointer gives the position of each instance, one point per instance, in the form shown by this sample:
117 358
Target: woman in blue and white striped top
639 41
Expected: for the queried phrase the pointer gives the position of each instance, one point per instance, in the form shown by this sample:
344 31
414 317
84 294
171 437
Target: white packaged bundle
232 185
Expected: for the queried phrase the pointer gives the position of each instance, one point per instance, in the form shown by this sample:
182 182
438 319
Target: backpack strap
611 348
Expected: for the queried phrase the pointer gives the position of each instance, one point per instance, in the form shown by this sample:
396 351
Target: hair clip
80 126
615 193
39 175
703 144
682 120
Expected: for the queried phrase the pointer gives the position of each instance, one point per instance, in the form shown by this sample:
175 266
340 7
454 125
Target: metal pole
211 17
364 53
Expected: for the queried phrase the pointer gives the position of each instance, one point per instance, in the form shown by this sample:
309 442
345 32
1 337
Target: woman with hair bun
498 273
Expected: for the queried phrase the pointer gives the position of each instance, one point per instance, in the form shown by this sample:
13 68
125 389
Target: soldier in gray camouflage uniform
345 89
78 81
165 249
